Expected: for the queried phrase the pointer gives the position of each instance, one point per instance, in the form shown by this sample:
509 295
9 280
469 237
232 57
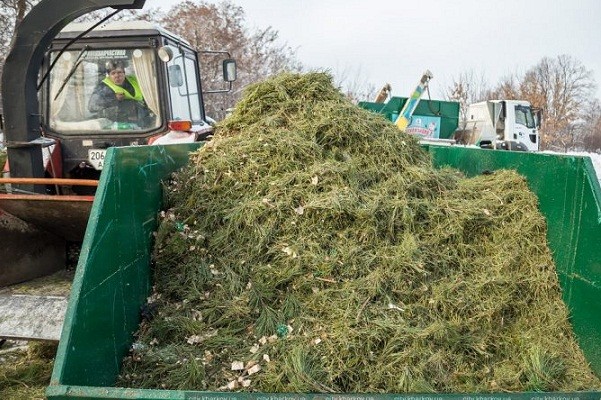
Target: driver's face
117 76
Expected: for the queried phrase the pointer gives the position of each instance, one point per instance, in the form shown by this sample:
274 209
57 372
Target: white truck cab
503 124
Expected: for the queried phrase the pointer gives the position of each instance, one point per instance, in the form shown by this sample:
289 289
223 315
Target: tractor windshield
523 115
103 91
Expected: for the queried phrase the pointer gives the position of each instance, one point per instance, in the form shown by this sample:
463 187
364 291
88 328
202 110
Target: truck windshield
523 116
103 91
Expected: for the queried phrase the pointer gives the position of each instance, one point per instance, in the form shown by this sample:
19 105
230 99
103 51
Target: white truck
494 124
501 124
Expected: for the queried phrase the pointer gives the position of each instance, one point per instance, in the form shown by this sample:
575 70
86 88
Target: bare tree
591 140
467 88
508 88
207 26
12 13
353 84
563 88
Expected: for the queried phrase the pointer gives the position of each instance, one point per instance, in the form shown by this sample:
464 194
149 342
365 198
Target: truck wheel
514 146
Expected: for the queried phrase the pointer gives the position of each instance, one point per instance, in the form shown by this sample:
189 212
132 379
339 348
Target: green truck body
113 277
442 117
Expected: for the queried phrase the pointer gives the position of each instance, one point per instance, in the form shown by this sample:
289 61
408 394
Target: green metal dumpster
113 276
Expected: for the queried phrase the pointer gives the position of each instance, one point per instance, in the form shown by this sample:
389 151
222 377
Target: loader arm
19 80
36 228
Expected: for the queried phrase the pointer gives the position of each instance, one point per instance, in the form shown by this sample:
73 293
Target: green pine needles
311 247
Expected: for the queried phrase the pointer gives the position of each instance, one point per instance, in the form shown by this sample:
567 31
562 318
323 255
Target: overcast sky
396 41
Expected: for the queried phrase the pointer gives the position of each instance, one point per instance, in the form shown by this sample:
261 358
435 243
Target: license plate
96 158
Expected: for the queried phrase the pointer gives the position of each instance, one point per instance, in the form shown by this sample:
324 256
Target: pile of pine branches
311 247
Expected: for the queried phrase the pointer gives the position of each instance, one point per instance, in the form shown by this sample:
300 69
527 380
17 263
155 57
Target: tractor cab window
183 88
103 91
523 116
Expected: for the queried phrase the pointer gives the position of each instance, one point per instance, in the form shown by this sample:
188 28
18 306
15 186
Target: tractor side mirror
228 67
229 70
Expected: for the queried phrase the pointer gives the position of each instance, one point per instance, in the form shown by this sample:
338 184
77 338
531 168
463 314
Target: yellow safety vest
120 90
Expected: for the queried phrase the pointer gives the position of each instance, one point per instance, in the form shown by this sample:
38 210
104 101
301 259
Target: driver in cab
119 98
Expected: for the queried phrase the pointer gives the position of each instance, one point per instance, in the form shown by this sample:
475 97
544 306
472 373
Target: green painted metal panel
570 198
85 393
113 280
448 111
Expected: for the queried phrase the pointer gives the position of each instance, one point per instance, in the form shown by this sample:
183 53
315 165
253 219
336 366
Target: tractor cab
86 111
